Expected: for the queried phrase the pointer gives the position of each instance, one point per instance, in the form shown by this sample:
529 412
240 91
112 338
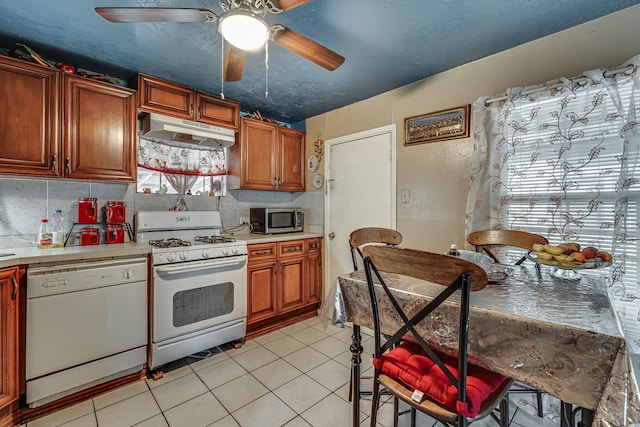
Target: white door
360 192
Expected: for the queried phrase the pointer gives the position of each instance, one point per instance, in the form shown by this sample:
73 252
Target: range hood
173 131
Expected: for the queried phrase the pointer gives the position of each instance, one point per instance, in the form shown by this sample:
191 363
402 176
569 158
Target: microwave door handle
296 218
190 266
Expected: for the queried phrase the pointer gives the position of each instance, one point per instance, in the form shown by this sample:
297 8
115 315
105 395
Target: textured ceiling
386 44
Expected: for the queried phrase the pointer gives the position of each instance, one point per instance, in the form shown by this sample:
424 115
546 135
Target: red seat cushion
409 364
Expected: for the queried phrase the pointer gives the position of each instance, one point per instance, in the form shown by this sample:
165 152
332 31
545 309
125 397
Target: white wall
437 174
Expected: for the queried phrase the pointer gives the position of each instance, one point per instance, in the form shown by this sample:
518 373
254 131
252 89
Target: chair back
371 235
429 266
485 239
453 273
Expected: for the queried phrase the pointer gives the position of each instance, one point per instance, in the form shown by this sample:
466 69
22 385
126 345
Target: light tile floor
296 376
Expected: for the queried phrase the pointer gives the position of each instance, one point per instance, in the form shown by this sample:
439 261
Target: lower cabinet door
292 283
261 290
314 277
9 384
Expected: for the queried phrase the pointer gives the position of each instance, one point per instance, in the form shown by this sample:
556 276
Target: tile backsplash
24 202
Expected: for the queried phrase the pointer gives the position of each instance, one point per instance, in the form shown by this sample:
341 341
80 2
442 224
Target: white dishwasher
86 324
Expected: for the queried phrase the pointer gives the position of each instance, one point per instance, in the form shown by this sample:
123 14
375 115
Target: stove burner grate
169 243
214 239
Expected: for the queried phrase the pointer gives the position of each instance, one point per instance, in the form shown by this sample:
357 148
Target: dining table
559 336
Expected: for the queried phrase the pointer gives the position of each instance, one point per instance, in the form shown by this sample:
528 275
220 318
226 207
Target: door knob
332 235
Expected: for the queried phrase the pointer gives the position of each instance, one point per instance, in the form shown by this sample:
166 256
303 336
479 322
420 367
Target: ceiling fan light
243 29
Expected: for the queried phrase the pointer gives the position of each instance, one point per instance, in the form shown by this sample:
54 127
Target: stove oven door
197 305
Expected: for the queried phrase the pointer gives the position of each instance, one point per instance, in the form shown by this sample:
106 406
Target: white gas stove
185 236
199 283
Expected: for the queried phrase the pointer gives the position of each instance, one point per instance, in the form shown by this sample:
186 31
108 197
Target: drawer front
261 252
291 248
314 245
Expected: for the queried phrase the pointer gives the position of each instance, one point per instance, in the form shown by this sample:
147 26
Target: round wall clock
317 180
312 163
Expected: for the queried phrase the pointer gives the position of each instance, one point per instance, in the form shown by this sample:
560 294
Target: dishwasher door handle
201 265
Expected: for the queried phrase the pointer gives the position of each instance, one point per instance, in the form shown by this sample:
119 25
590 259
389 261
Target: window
564 162
155 158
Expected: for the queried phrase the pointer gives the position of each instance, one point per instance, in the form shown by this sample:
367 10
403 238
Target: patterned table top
559 336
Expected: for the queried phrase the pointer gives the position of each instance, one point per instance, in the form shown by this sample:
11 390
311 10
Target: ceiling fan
246 16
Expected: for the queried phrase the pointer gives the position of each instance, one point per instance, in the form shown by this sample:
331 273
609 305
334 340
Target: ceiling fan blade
307 48
155 14
290 4
234 59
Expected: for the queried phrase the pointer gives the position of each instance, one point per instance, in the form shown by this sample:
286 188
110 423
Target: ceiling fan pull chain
266 69
222 68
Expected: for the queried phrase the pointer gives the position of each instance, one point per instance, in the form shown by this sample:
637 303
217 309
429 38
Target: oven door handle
201 265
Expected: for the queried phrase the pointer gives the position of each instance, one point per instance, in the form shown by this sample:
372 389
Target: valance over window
180 159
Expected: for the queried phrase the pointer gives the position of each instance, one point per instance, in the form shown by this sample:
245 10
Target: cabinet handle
191 110
262 252
67 166
54 161
15 288
198 118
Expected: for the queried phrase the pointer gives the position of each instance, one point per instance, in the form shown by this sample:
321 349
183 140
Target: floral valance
181 159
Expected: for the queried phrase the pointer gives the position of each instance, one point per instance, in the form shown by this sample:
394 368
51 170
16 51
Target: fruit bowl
568 270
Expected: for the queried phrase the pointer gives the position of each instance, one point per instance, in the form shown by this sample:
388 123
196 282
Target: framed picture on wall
437 126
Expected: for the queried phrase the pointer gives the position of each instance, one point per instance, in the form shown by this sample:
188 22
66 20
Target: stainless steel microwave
276 220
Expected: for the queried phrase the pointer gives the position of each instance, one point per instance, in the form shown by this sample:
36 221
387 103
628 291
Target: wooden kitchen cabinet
30 119
39 105
284 283
269 157
261 281
10 295
314 271
164 97
99 130
292 275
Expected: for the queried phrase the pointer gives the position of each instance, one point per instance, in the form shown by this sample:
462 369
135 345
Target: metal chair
357 240
410 368
485 240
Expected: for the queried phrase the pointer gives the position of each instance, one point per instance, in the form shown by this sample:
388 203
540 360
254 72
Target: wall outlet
244 221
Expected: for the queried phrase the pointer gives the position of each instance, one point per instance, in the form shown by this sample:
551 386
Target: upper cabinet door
100 130
258 148
291 160
161 96
29 118
216 111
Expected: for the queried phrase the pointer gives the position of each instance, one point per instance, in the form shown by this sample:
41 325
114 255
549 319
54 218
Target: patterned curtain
180 159
564 162
181 164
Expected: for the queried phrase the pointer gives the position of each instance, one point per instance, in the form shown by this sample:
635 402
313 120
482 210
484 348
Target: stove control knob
205 254
183 256
225 251
171 258
235 250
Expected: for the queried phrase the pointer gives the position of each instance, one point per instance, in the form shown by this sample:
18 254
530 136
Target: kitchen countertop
267 238
33 255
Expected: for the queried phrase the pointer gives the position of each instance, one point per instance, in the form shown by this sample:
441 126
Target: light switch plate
405 195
